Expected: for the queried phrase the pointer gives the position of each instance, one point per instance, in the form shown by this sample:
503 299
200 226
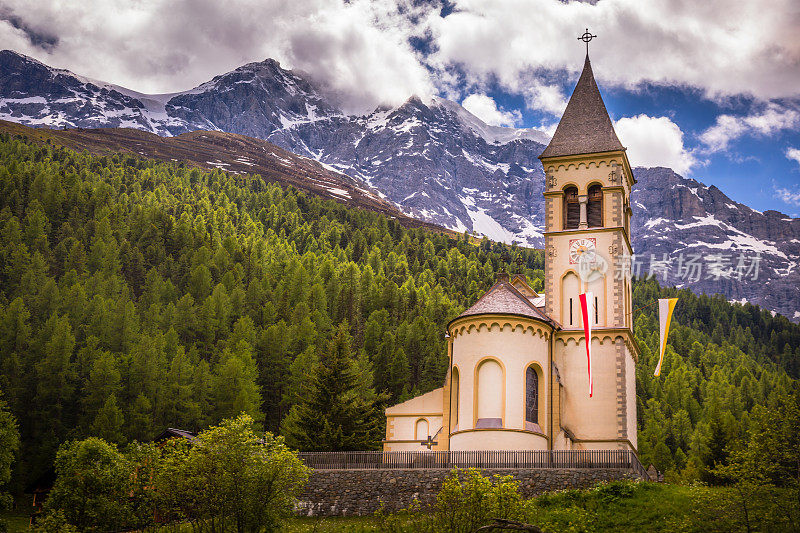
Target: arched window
594 206
490 395
531 399
454 386
572 208
421 430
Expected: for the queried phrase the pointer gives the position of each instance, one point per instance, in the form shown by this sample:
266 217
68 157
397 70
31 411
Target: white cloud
485 108
359 49
788 196
721 47
544 97
771 120
655 142
793 154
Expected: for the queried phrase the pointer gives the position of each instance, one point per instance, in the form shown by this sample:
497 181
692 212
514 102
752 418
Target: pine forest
137 295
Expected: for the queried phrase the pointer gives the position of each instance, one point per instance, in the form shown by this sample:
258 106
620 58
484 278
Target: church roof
585 127
503 298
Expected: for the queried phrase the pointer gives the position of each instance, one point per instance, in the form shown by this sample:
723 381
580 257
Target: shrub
615 490
469 500
571 519
55 522
92 486
230 476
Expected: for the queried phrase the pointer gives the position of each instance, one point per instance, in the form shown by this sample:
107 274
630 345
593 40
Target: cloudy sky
711 88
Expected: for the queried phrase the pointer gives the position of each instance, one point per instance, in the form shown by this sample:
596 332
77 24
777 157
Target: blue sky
711 88
753 168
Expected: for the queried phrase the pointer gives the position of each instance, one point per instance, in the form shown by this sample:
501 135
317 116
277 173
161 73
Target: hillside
138 295
429 159
235 154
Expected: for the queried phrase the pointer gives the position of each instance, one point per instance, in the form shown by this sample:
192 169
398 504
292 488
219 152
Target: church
518 369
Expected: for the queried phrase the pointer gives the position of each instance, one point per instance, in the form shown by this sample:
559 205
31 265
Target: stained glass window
531 396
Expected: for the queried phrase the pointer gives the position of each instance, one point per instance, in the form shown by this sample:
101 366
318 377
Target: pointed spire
585 127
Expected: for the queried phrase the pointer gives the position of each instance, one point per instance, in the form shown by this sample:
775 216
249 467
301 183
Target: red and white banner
587 302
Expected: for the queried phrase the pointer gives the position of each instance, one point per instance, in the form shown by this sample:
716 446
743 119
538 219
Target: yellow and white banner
665 308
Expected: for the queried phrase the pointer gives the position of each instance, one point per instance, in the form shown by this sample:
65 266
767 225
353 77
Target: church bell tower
587 249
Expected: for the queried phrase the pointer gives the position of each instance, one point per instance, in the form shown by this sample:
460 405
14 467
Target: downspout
450 388
550 406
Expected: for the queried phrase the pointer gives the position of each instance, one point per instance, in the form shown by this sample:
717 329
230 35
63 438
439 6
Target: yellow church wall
493 439
554 393
443 439
587 418
401 421
406 432
607 420
405 426
512 344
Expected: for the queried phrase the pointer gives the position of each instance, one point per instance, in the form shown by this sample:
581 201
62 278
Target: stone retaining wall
360 492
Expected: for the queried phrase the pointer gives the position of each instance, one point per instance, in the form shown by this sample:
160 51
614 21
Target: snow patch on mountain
484 224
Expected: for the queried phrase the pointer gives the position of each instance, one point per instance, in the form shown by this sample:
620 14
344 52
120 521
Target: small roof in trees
173 433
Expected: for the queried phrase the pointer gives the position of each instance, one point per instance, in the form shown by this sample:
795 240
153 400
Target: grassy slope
650 507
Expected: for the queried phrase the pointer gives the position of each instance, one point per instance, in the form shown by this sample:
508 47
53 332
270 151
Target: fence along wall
356 483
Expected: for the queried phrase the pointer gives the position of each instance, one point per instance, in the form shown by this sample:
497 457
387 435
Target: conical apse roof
585 127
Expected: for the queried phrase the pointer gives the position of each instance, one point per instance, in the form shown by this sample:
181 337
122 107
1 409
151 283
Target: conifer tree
9 444
177 405
103 382
235 387
341 412
108 423
139 420
399 373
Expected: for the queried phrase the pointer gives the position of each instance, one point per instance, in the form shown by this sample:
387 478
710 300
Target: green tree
92 486
9 445
232 479
102 383
140 419
235 384
177 405
146 461
469 500
769 455
54 522
341 411
109 421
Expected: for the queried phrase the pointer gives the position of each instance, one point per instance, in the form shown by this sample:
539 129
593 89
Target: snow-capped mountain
714 244
34 94
435 161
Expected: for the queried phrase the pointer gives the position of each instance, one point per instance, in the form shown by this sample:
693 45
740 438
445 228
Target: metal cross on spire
586 37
